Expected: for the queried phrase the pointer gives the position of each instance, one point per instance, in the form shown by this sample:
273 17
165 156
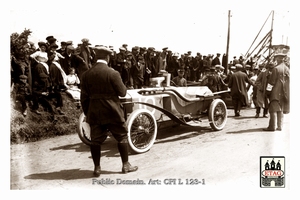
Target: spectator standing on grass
21 93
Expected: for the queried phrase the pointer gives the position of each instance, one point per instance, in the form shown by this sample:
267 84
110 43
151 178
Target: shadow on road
78 147
180 133
246 131
108 148
71 174
241 117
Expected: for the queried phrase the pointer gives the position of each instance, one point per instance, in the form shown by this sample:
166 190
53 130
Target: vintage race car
145 108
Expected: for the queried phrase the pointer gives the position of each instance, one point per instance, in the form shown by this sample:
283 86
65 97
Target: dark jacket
237 84
101 87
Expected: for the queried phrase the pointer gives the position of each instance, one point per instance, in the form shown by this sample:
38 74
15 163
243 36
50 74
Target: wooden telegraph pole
228 39
271 35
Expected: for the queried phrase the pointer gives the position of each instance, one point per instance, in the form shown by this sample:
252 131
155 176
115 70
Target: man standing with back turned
100 91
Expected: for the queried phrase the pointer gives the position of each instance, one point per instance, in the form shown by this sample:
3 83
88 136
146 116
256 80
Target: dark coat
38 71
216 61
237 83
101 87
76 62
280 74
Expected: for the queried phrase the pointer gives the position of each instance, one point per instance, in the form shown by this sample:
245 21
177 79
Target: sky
181 26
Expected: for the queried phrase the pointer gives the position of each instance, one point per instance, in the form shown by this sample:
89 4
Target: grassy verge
35 127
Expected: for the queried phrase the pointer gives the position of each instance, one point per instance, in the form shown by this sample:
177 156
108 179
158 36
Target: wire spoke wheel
84 130
142 130
217 114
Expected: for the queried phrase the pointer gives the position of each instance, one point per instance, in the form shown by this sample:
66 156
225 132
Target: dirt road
228 158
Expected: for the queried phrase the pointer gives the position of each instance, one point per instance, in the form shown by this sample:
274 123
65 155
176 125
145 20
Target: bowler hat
165 48
151 49
49 37
51 40
63 43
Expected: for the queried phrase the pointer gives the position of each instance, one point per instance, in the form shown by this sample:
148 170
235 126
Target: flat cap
219 67
102 51
70 42
23 76
70 47
239 66
85 40
135 48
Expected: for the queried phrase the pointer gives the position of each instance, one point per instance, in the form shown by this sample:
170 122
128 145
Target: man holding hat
101 87
237 84
279 89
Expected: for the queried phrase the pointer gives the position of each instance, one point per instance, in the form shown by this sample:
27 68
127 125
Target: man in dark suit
216 60
278 89
237 84
101 87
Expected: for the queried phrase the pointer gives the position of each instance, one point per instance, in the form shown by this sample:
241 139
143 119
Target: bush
35 127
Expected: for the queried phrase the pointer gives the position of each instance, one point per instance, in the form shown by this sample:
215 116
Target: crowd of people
51 69
95 77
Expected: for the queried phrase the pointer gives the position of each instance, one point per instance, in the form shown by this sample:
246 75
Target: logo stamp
272 171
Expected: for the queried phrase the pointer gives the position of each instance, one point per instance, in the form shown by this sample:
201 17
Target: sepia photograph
128 97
